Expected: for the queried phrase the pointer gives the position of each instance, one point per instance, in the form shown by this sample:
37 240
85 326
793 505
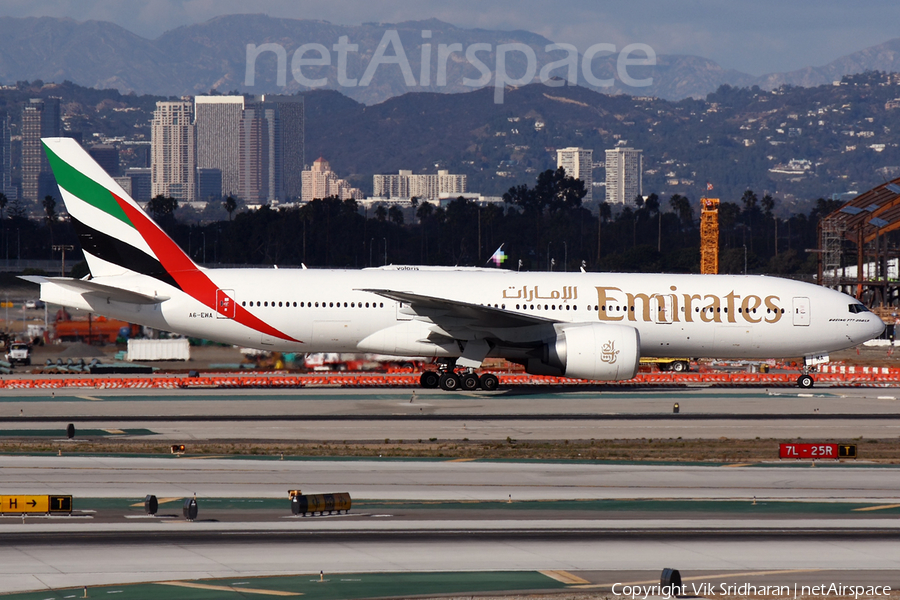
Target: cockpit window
858 308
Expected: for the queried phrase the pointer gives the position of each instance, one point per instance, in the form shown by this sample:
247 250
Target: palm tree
230 205
50 210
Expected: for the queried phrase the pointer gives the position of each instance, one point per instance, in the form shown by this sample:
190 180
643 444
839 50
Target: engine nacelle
599 352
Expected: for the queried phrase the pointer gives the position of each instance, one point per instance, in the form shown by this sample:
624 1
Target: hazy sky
757 37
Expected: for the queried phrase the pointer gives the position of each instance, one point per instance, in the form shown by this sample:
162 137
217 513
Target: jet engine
599 352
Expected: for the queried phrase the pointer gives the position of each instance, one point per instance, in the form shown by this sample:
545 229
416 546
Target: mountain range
214 55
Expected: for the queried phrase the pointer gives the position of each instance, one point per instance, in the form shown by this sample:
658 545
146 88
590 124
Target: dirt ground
885 451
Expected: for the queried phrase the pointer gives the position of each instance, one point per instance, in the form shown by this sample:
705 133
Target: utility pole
62 248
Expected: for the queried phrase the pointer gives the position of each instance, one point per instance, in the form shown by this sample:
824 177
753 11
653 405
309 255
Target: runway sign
817 451
35 504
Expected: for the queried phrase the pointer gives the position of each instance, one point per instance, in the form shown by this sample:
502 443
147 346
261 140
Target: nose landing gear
805 380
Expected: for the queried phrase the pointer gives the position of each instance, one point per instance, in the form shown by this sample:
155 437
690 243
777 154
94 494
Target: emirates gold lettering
613 304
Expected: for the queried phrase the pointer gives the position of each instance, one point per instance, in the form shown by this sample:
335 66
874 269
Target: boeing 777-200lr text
582 325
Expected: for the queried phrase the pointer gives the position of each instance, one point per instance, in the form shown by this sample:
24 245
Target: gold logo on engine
608 352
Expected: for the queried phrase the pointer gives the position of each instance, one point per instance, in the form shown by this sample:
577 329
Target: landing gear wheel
469 381
805 381
489 382
449 382
429 379
681 367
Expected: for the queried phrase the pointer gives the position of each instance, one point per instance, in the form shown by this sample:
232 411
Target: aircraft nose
875 326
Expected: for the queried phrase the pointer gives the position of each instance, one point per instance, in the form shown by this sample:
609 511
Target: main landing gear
449 379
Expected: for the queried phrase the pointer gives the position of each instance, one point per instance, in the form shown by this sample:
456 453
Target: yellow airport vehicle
679 365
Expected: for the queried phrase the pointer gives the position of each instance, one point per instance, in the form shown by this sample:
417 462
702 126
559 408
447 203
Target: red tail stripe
191 280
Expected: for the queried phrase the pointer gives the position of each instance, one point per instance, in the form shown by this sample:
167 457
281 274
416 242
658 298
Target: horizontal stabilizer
97 290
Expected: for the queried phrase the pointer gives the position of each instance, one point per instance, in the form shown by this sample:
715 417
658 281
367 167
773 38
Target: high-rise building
6 186
292 124
321 182
283 119
426 186
40 118
209 184
173 150
624 172
578 163
255 152
218 123
107 156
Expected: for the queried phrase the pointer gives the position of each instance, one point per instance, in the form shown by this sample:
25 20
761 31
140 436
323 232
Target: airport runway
600 522
105 545
597 561
338 415
269 477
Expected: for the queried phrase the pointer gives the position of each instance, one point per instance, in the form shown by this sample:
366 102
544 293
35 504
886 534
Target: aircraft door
664 308
225 304
801 311
405 312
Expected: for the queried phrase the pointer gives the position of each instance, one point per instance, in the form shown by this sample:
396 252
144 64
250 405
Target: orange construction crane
709 236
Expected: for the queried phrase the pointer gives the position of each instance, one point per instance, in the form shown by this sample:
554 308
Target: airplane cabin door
405 312
664 309
225 304
801 311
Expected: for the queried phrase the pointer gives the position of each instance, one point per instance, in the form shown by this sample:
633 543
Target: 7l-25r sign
817 451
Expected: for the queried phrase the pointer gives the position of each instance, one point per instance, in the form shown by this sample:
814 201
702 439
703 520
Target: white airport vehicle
582 325
19 353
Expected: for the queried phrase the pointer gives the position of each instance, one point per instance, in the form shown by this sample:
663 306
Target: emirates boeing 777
581 325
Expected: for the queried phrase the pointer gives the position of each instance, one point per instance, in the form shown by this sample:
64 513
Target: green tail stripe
85 188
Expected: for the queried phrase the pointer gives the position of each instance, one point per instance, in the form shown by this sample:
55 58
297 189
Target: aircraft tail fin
116 235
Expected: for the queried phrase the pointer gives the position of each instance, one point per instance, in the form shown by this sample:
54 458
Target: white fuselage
676 315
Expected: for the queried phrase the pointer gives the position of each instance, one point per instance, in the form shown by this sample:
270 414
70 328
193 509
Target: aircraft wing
463 319
97 290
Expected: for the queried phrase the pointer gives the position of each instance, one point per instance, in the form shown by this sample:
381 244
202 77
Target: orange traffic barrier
839 375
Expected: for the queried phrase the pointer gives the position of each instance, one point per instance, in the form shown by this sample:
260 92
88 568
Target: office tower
291 141
578 163
107 156
624 173
283 118
6 186
218 123
254 155
40 118
209 184
173 151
